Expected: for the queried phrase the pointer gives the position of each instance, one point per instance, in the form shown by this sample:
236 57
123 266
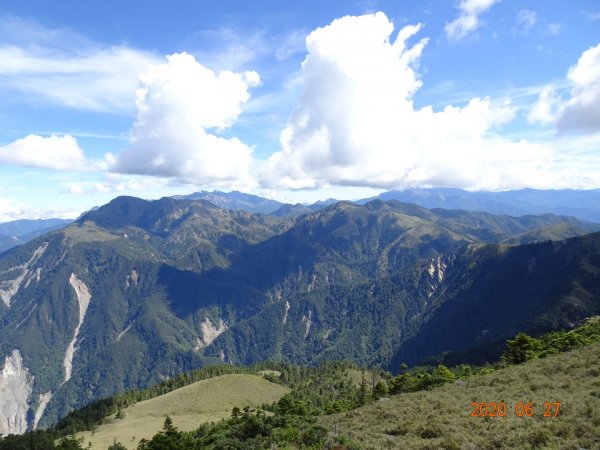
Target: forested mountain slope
138 291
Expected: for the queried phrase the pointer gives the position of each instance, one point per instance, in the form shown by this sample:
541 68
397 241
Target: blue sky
296 101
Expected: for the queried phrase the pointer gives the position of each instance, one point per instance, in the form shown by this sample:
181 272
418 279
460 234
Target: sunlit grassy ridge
204 401
440 418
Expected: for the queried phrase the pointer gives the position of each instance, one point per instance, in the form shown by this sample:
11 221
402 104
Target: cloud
582 110
290 45
547 108
53 152
579 108
123 183
228 48
178 102
48 66
11 209
75 189
554 28
355 123
526 19
468 18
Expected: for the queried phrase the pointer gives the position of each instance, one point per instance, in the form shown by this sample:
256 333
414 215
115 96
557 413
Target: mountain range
136 291
20 232
583 204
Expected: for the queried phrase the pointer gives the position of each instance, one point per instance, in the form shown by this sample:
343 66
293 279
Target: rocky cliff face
83 300
41 307
15 389
16 275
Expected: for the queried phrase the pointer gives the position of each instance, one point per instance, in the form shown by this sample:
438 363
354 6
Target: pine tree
381 389
168 428
520 349
117 446
362 395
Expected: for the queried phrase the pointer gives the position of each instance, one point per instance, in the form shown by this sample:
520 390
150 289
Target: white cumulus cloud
182 107
355 123
578 108
468 18
582 110
53 152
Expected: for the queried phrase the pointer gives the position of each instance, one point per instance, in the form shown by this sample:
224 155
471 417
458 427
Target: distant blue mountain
26 226
239 201
583 204
235 200
18 232
288 210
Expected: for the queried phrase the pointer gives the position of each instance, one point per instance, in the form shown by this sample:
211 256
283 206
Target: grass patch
190 406
440 418
87 232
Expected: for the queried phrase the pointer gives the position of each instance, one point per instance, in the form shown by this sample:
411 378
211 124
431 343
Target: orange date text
520 409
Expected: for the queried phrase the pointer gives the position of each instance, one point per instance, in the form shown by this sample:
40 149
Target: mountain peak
235 200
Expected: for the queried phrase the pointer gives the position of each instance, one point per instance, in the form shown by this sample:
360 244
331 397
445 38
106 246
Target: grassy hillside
204 401
440 418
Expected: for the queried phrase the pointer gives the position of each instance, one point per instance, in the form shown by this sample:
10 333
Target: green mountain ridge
138 291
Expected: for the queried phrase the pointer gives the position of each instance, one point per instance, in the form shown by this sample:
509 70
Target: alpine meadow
320 225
